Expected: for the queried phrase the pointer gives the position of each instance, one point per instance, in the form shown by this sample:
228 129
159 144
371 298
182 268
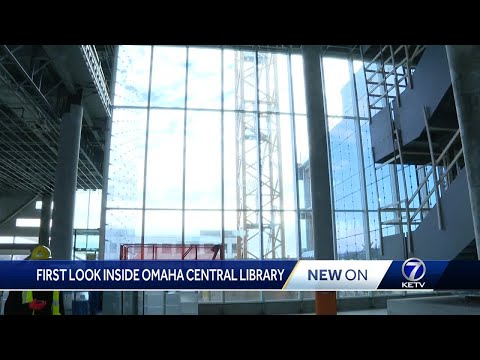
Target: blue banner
131 274
288 275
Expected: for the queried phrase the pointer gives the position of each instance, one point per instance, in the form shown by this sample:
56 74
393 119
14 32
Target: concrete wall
429 242
394 247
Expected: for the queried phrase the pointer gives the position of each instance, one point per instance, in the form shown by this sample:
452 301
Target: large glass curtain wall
209 146
359 186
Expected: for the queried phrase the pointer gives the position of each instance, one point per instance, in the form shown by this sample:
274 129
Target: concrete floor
435 305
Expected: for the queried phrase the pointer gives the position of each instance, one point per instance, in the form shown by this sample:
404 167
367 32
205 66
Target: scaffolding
258 153
387 74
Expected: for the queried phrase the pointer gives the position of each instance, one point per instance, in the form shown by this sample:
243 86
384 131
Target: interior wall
9 202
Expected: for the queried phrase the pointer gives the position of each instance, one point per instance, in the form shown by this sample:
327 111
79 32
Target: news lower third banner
288 275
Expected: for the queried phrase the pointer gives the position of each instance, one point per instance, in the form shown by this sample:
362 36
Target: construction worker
39 302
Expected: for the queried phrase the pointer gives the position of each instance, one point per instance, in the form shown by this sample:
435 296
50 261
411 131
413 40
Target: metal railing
383 74
387 74
95 68
409 214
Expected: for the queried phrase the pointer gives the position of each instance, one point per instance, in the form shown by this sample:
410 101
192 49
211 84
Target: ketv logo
413 270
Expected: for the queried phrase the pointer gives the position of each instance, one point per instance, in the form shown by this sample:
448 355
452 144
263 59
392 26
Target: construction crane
260 219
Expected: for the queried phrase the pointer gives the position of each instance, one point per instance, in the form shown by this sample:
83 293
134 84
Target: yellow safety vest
27 297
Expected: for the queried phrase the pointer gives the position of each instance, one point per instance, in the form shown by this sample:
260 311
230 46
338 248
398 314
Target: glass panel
308 295
273 89
122 227
81 209
277 170
245 225
345 164
298 81
168 76
163 227
132 76
350 239
338 88
79 255
229 79
306 235
303 163
280 240
80 241
231 241
204 72
375 251
86 247
231 161
354 293
241 161
239 79
87 209
372 196
95 209
165 159
385 186
210 296
203 179
361 89
203 227
280 295
125 185
242 296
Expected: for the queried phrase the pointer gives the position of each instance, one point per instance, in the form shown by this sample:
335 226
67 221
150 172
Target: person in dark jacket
40 302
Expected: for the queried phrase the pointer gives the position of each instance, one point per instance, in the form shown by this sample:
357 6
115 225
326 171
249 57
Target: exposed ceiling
35 84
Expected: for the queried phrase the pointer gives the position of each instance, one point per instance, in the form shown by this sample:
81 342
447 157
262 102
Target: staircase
414 127
456 239
429 99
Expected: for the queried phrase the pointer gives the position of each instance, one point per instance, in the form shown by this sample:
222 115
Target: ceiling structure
35 84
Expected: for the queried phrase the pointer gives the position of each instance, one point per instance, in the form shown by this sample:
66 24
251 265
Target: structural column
45 217
464 63
66 181
323 244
